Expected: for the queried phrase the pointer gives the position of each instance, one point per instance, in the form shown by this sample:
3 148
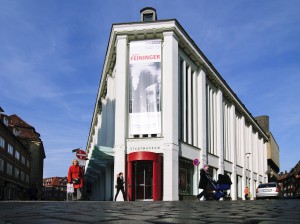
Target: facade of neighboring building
290 182
161 108
54 189
32 141
15 163
272 149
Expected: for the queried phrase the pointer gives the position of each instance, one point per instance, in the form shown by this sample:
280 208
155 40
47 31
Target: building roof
295 171
55 181
27 132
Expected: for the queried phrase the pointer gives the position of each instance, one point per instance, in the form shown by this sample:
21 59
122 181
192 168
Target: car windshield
267 185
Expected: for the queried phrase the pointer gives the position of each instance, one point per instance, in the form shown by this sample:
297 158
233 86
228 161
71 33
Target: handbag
116 186
76 181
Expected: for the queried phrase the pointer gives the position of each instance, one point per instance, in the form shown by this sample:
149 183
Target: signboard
196 162
145 87
80 154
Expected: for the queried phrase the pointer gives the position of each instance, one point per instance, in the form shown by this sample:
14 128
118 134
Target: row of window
222 119
14 152
14 171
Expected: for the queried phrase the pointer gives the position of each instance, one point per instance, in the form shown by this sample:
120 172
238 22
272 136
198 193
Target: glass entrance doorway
143 180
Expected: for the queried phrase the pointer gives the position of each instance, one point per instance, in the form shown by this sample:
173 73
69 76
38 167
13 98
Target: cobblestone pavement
267 211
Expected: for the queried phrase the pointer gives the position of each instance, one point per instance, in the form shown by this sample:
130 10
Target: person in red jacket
75 177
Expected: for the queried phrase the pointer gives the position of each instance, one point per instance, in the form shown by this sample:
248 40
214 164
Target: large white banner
145 87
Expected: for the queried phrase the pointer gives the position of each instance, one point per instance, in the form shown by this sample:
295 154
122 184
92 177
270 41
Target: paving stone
268 211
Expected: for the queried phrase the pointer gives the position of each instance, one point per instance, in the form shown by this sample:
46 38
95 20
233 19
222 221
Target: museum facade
161 113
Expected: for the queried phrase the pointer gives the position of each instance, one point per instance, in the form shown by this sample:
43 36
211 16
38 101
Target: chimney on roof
148 14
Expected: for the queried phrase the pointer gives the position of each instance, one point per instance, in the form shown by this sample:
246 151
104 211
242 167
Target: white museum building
161 107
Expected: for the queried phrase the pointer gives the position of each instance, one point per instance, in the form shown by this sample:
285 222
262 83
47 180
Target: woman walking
120 186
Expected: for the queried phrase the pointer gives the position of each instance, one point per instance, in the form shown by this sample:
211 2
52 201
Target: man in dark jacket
203 183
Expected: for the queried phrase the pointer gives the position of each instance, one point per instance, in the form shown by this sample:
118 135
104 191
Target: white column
243 153
189 90
201 92
121 102
195 110
219 131
103 130
110 112
251 157
184 100
170 116
96 137
232 126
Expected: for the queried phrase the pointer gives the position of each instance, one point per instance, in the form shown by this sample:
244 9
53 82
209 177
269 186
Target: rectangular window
10 149
1 165
2 142
186 172
227 132
9 169
239 139
17 173
27 163
188 101
211 121
22 176
17 154
23 160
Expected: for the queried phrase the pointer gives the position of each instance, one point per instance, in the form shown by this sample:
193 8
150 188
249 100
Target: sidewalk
268 211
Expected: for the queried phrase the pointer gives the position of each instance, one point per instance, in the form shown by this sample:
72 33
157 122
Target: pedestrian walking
120 186
204 181
75 177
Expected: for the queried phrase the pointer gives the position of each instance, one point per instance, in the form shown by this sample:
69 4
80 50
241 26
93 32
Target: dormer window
16 132
148 14
5 121
148 17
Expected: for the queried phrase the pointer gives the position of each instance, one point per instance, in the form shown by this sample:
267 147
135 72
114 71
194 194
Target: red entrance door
144 180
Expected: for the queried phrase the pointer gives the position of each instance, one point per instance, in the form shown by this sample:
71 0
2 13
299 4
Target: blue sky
52 54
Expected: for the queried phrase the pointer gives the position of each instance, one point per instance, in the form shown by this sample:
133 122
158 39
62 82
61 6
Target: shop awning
100 158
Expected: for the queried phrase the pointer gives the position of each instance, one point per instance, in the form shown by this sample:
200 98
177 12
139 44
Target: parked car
268 190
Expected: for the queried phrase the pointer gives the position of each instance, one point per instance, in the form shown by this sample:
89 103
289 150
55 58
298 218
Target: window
9 169
23 160
186 171
148 17
227 133
2 142
188 102
211 121
17 155
28 163
10 149
22 176
17 173
5 121
1 165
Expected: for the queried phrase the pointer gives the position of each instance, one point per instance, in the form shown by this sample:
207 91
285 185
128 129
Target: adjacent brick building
21 159
290 182
54 189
